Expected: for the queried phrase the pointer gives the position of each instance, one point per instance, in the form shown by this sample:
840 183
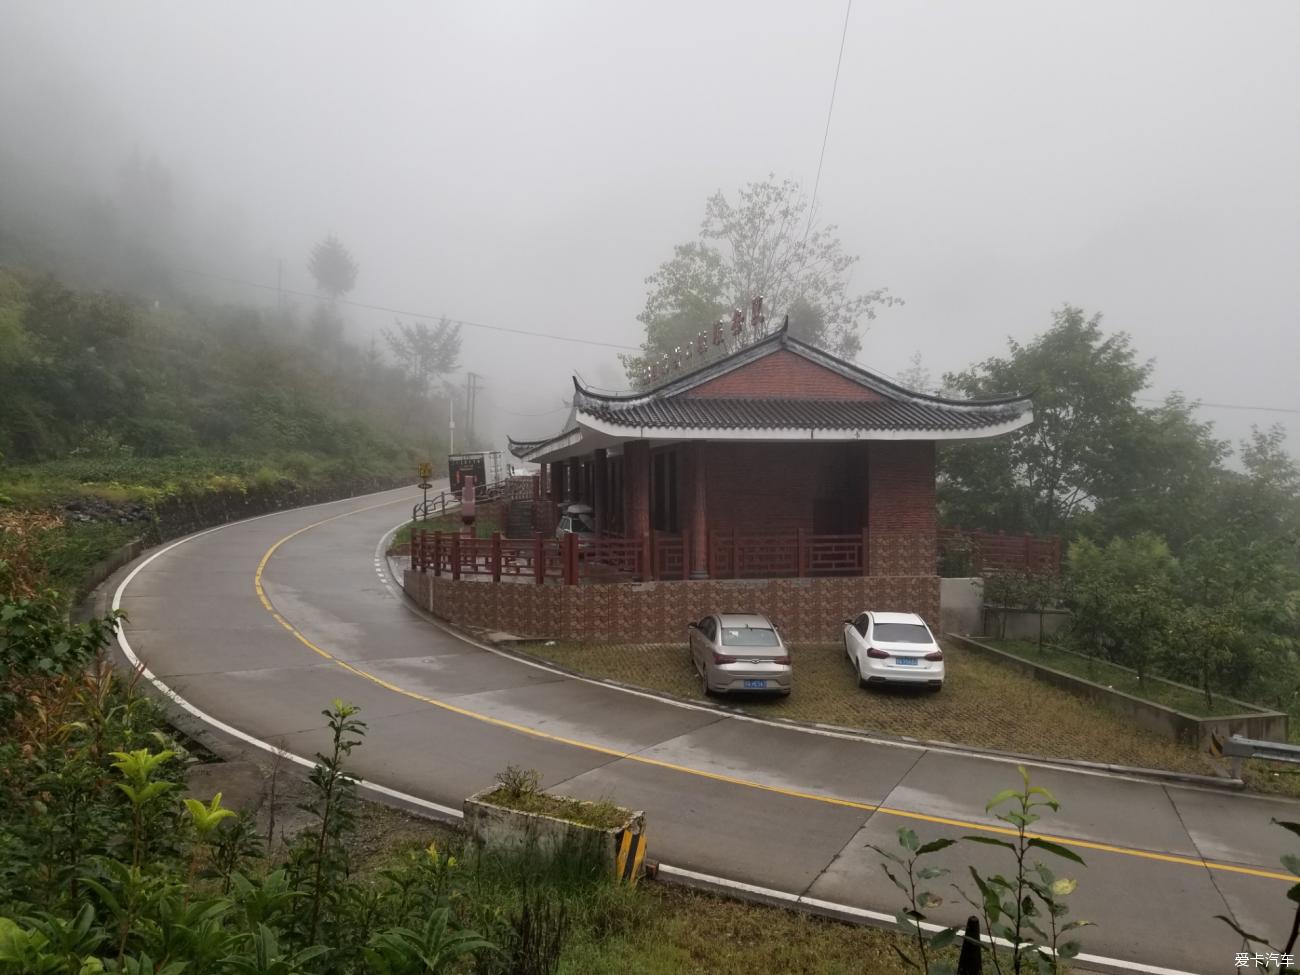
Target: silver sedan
734 652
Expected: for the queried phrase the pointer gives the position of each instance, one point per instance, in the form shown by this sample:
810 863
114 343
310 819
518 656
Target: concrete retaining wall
1021 624
960 600
1252 722
620 850
808 610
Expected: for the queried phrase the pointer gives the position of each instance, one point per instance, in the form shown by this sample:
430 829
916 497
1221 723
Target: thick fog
528 165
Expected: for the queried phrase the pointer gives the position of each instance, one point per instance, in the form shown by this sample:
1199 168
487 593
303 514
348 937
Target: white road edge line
878 918
449 812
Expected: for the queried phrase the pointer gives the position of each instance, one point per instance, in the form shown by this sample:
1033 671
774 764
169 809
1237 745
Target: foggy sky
530 164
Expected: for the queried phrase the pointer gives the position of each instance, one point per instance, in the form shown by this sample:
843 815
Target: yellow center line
715 776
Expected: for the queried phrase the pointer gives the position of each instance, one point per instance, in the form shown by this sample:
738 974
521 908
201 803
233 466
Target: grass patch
601 815
1186 700
487 521
982 703
68 551
650 929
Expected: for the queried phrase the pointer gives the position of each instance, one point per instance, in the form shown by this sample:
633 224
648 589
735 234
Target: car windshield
901 633
748 636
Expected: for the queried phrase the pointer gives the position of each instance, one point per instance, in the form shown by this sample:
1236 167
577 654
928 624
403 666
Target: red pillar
636 489
575 480
601 485
696 523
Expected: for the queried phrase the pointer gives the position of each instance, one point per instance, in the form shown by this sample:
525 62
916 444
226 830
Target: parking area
981 703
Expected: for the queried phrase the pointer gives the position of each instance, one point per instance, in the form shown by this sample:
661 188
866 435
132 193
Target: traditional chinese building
805 476
777 444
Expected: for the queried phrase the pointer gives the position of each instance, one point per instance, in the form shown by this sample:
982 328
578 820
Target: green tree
1092 453
425 352
333 268
759 242
1121 596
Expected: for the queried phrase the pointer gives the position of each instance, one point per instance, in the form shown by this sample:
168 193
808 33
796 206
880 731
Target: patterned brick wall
900 477
783 375
805 609
759 487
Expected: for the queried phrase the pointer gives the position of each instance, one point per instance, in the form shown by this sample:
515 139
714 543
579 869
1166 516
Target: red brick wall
901 507
806 609
783 375
758 487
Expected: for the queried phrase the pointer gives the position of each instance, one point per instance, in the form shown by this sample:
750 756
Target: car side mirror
692 626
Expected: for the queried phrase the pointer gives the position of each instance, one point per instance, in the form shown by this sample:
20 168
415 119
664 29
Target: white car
893 648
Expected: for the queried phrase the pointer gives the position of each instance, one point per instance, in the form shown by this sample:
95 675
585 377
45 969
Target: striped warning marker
631 854
1216 745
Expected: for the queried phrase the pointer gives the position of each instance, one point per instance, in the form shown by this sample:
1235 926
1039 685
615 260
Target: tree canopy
333 268
762 242
1093 455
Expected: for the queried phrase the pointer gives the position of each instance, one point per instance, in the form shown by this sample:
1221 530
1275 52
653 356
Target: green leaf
930 873
1000 798
935 846
990 841
944 938
1064 887
1056 848
1292 863
1294 894
907 839
928 900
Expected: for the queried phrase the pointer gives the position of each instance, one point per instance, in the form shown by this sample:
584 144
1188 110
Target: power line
812 206
1227 406
412 314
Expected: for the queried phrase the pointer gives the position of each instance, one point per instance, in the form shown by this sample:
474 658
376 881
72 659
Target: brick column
636 488
601 485
695 505
902 517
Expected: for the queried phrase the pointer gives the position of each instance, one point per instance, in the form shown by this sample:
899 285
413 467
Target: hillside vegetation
112 409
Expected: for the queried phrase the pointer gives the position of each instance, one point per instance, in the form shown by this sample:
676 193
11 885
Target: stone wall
805 609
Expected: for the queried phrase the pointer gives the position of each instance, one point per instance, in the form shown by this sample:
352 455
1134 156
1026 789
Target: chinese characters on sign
694 351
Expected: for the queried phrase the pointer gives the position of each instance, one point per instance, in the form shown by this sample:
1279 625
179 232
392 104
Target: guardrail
1239 749
437 506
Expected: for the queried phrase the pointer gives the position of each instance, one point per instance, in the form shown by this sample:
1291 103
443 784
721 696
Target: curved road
259 624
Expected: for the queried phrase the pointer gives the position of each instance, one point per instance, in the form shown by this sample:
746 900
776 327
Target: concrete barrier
620 850
1251 722
960 600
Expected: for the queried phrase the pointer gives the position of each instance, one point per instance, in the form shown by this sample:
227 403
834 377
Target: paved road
782 808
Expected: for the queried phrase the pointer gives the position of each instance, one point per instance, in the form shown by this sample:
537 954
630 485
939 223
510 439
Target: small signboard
425 473
461 466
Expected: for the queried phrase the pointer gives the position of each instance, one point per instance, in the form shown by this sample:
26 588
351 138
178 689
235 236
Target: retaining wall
807 610
1252 722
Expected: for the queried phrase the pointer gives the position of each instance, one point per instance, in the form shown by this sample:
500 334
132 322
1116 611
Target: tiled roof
770 414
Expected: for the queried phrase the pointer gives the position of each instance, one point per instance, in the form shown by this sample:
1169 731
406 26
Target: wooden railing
658 556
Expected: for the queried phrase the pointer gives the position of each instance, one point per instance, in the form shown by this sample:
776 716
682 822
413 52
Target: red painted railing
659 556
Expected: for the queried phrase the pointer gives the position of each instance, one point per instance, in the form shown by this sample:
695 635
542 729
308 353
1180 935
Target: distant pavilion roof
736 398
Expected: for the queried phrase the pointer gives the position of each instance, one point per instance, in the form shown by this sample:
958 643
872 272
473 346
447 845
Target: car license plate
755 684
906 661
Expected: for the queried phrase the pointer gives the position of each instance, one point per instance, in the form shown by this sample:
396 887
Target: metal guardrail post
539 558
496 556
455 556
571 559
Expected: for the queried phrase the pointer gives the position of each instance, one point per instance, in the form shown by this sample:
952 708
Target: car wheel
704 684
857 669
935 688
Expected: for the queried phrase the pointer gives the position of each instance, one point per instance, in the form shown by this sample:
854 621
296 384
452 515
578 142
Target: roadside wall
959 605
806 610
1252 722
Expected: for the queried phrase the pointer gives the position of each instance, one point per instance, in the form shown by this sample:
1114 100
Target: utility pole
451 424
471 401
